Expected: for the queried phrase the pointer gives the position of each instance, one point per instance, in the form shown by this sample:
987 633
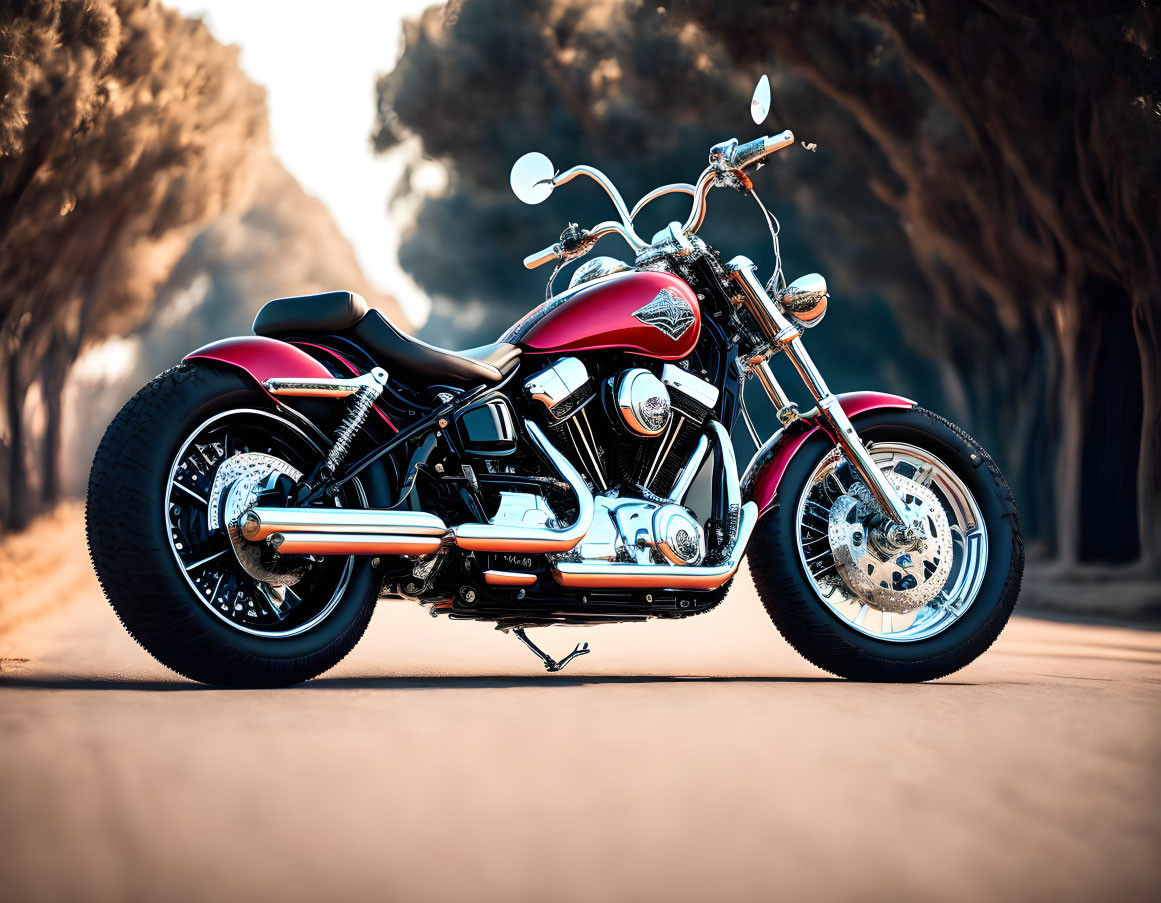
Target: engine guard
765 470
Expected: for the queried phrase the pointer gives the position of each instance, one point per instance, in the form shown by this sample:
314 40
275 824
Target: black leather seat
397 352
328 312
488 363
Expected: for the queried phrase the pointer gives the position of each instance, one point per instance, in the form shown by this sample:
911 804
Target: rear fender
262 358
764 473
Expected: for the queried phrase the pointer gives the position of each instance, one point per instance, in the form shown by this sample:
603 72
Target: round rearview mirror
531 177
760 105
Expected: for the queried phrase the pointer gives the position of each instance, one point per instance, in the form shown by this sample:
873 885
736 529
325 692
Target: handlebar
726 157
541 257
753 151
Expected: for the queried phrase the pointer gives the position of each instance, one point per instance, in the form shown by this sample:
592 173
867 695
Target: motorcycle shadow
395 682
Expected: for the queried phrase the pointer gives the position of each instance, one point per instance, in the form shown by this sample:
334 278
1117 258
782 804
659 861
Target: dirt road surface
699 760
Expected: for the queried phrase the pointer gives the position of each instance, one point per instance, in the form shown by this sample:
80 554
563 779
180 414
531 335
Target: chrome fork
785 334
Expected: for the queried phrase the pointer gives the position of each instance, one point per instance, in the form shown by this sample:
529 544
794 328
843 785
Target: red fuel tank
653 314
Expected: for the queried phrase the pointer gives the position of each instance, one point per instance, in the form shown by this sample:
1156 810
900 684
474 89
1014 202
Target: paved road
694 761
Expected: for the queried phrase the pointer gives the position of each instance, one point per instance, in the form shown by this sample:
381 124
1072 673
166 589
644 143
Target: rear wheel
182 458
860 607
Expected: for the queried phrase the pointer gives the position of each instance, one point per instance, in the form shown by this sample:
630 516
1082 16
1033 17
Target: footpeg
550 664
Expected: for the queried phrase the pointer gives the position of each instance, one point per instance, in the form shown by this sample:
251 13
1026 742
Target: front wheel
855 602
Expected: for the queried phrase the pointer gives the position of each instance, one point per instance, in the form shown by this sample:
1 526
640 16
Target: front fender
262 358
764 473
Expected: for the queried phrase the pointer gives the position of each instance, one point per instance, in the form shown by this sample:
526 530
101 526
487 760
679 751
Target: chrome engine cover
562 388
678 537
643 402
634 530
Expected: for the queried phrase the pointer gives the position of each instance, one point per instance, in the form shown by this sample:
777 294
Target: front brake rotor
887 577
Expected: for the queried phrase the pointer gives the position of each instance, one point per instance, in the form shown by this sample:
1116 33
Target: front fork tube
785 334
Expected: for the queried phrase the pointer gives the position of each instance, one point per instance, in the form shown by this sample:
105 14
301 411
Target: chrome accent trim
727 466
597 268
372 382
689 472
746 419
774 391
503 538
630 575
704 393
508 578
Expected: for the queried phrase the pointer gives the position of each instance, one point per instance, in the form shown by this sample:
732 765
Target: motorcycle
248 507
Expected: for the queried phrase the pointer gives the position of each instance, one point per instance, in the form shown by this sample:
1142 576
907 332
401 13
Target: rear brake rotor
237 484
887 577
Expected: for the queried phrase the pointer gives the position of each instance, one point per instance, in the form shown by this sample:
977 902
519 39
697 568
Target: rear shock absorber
364 399
364 390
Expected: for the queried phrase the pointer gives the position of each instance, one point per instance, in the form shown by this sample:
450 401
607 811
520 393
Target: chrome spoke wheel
907 595
220 467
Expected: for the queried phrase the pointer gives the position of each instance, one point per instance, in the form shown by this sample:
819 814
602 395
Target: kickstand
550 664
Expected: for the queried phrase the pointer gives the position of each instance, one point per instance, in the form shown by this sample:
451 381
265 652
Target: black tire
129 545
819 633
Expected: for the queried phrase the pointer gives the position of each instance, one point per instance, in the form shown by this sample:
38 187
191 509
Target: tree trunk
1145 330
19 501
53 375
1070 438
1108 528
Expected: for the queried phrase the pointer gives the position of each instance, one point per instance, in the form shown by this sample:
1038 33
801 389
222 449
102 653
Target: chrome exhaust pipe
369 531
629 575
344 531
534 540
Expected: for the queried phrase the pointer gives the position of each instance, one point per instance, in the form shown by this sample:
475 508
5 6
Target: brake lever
574 241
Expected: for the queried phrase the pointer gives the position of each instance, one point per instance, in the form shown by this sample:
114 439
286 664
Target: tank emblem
669 312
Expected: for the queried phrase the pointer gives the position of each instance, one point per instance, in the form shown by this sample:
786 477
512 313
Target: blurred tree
123 128
991 170
284 243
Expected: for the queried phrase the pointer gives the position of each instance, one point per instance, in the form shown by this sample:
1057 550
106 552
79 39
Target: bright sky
318 63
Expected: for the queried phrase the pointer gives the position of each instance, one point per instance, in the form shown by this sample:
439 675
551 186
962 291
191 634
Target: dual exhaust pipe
362 531
359 531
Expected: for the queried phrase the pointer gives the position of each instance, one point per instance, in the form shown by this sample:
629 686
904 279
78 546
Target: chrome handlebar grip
541 257
755 150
